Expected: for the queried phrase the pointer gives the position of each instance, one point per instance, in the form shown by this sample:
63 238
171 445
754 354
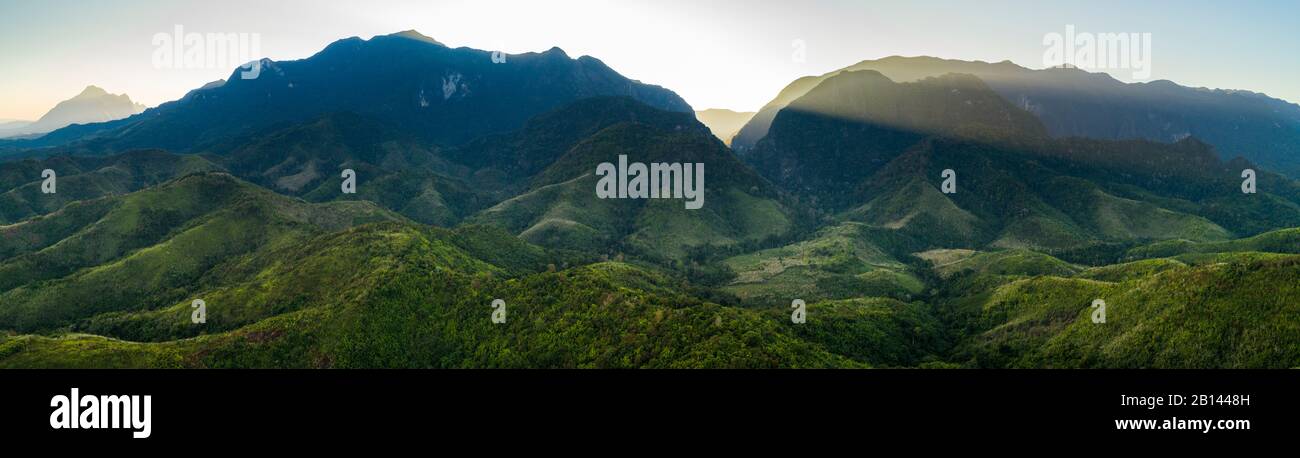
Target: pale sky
716 54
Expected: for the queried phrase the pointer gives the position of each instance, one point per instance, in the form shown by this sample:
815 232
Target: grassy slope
84 178
1012 199
287 284
1009 262
396 295
838 262
424 303
1238 313
155 246
882 332
1280 241
562 210
393 170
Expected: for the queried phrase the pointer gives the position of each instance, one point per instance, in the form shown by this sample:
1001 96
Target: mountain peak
92 105
415 35
555 51
92 91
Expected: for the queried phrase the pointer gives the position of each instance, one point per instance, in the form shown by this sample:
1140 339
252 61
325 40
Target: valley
929 213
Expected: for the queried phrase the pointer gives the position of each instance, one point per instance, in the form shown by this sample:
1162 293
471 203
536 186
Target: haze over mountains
724 123
835 194
92 105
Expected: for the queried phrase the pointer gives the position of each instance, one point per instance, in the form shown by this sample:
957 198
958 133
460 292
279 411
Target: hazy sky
716 54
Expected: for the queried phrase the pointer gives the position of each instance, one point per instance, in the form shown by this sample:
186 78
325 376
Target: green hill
1280 241
1239 314
82 178
289 283
839 262
153 247
877 331
1028 199
1008 262
561 208
393 169
424 302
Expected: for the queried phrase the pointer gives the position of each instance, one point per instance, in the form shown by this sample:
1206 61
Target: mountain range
926 217
1075 103
406 80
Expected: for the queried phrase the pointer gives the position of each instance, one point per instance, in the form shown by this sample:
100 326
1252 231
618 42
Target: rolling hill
1237 314
148 249
421 300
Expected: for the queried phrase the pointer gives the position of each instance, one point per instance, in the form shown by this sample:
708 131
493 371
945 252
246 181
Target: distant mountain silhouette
406 80
724 123
92 105
1072 102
